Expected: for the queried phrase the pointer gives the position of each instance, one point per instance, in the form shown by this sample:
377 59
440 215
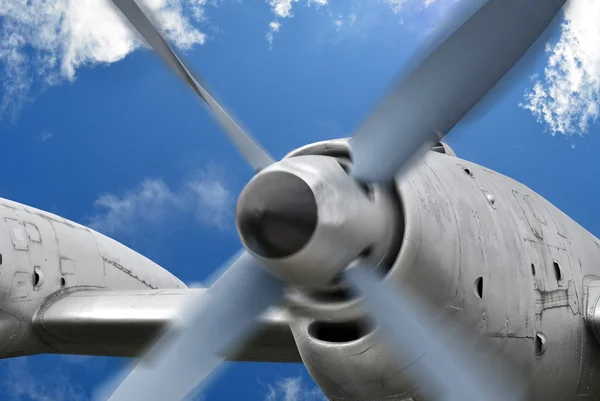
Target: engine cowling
467 242
341 349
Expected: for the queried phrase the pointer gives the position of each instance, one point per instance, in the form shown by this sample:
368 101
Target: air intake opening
540 344
443 148
557 271
338 295
342 332
479 287
38 278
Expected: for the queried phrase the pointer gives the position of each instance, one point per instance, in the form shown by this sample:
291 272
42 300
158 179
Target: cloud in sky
283 9
46 135
397 5
566 98
338 23
46 41
293 389
152 203
273 27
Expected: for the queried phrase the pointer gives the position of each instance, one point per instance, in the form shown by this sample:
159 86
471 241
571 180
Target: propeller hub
277 214
305 220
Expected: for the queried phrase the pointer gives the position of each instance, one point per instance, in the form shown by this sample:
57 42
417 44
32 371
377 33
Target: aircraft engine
410 229
456 225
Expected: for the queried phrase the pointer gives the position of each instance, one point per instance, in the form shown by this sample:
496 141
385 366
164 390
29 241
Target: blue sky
101 132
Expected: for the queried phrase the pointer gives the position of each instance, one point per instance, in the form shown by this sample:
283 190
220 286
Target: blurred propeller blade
449 371
246 144
191 350
433 95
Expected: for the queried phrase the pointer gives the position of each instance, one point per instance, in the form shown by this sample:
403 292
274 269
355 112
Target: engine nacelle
341 351
482 249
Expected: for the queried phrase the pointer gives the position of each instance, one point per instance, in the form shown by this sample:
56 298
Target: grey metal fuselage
479 246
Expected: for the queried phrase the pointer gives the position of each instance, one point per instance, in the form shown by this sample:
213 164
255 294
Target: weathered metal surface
466 226
44 255
65 288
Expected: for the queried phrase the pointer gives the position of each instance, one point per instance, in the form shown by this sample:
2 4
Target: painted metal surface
123 323
485 250
65 288
45 256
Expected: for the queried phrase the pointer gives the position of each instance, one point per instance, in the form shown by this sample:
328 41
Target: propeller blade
434 95
246 144
191 350
450 372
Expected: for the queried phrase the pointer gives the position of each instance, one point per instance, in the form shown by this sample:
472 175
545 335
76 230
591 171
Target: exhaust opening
339 332
340 294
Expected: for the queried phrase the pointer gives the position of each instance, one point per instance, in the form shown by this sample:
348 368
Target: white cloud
211 201
293 389
567 98
46 135
317 2
352 18
338 23
153 203
283 9
48 40
397 5
274 26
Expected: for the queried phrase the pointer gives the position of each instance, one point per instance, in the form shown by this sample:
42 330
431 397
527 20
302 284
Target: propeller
254 154
428 101
433 97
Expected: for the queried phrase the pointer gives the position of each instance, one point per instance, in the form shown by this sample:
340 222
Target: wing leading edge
124 323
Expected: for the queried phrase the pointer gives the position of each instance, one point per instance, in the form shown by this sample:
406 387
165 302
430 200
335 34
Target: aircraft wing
124 323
